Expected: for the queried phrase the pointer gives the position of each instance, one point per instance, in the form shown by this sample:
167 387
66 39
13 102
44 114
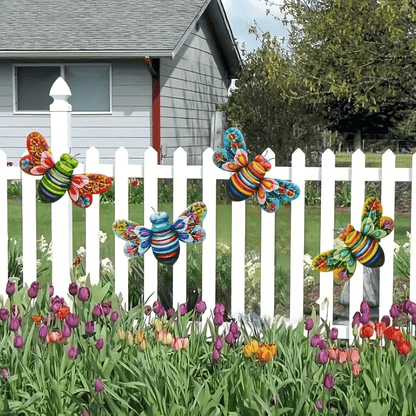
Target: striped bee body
57 180
164 241
245 182
365 249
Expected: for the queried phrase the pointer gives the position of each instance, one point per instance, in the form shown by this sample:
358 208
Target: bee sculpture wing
39 159
339 261
187 226
84 186
234 154
138 237
272 191
373 223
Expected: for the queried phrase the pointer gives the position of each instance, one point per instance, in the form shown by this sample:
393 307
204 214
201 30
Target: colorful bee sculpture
57 178
163 237
248 177
362 246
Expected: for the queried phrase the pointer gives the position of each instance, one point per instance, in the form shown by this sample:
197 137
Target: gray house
142 73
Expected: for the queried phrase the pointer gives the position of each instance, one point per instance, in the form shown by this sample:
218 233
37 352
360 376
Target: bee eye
267 165
259 158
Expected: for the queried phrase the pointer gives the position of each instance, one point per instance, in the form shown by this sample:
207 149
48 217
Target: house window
89 83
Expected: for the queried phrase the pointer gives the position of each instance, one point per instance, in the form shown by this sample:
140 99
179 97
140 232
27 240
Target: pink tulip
333 354
354 356
356 369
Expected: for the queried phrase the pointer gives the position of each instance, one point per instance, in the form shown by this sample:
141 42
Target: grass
373 160
253 224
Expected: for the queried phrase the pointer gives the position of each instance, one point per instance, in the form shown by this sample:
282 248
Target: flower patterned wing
339 261
138 237
187 226
234 154
39 159
272 191
85 185
372 221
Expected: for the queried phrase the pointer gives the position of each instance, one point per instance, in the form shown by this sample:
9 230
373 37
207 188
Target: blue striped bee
360 246
58 178
163 237
249 177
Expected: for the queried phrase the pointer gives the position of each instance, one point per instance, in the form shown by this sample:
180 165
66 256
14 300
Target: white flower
43 245
406 248
19 260
82 280
81 252
107 266
307 259
396 249
103 237
37 263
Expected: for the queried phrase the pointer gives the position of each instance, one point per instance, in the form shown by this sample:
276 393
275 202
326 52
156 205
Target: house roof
108 28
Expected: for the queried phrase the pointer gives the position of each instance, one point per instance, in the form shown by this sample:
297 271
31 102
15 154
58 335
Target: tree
356 61
263 108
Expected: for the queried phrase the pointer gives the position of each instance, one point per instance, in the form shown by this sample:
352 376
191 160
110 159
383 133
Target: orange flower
345 232
380 328
264 354
63 312
366 331
322 263
37 319
251 348
333 353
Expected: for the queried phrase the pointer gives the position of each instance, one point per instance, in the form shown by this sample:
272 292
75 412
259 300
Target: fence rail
180 172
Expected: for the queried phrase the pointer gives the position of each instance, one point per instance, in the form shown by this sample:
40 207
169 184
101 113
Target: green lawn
374 160
312 225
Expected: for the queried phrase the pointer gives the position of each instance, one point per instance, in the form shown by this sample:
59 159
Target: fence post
60 111
3 212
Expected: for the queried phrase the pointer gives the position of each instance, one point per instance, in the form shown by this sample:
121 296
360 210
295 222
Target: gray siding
129 125
192 85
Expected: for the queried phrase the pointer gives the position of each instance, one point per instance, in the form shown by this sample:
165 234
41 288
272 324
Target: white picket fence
180 172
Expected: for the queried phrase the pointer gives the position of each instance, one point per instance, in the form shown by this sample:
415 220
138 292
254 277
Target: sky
242 13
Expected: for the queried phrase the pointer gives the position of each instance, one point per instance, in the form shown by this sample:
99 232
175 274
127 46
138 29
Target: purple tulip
73 289
315 340
183 309
85 413
234 327
72 320
215 355
218 343
365 307
365 318
329 381
322 344
66 331
10 288
43 332
99 344
83 294
356 319
97 310
333 334
73 353
148 310
308 324
414 319
4 314
219 309
200 306
98 385
386 319
412 309
319 405
15 323
218 319
106 308
56 304
51 290
156 306
237 334
5 373
229 338
322 357
171 311
161 311
89 327
114 316
33 290
18 341
394 311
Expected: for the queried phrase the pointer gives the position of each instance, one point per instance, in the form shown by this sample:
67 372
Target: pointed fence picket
209 174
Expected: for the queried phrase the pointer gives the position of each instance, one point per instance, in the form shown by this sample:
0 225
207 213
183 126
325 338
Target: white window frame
62 67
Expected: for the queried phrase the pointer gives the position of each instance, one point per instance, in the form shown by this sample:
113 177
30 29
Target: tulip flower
63 312
319 405
328 381
354 356
215 355
73 353
333 353
51 290
322 357
333 334
10 288
4 314
229 338
66 331
43 332
98 385
365 307
33 290
89 327
403 347
73 289
200 307
355 369
171 311
219 309
322 344
308 324
183 309
56 304
356 319
15 310
380 327
106 308
5 373
156 306
218 319
342 357
386 319
315 340
366 331
218 342
15 323
72 321
162 311
365 318
114 316
99 344
97 310
83 294
18 341
394 311
148 310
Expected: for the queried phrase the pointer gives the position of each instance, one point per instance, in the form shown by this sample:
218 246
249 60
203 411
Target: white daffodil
103 237
81 252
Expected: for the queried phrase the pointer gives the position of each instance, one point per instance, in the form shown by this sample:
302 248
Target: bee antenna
77 155
153 209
